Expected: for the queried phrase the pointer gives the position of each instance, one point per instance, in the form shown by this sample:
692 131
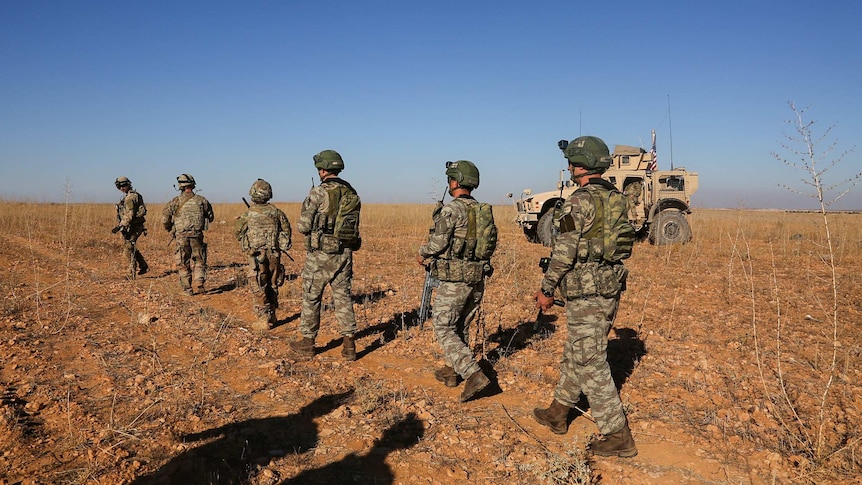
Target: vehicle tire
530 233
545 228
669 227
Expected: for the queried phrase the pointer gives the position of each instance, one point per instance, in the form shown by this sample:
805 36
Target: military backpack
481 232
611 227
339 226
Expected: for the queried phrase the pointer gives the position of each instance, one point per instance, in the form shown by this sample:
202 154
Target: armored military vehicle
659 200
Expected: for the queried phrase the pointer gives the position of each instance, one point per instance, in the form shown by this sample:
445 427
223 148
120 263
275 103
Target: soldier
263 232
186 217
633 191
131 212
454 261
586 264
329 219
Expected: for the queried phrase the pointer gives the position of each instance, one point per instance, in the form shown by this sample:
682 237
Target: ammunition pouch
459 270
594 279
318 241
329 244
591 250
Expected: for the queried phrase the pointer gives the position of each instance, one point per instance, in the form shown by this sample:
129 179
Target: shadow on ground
230 454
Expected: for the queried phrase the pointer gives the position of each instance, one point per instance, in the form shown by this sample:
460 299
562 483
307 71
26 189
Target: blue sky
233 91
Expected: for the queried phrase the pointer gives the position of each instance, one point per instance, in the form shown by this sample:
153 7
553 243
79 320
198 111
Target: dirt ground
735 355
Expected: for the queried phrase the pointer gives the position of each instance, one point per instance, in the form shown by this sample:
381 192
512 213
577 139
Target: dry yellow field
738 358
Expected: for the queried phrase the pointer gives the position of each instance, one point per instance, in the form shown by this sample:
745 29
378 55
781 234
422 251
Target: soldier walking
586 264
455 260
263 232
131 212
329 220
186 217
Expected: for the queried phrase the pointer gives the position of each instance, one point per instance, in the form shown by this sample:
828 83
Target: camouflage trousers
584 367
133 257
263 268
455 306
191 258
335 270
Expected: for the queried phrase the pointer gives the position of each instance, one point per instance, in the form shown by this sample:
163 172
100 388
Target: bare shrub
808 399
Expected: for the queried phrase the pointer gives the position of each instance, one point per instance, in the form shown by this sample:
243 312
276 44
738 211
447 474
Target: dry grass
111 373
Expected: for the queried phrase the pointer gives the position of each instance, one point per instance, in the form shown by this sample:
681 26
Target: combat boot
556 417
619 444
447 376
303 346
348 349
475 383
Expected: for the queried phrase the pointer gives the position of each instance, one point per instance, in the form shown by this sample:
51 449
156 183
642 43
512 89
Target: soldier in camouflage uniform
592 289
460 292
186 217
633 192
131 212
327 261
263 232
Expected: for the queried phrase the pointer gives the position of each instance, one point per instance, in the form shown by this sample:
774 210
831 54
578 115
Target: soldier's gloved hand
420 260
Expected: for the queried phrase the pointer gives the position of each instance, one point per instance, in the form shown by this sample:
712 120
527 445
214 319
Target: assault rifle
430 281
425 308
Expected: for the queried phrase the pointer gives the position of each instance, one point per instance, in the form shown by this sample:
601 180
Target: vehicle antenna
670 131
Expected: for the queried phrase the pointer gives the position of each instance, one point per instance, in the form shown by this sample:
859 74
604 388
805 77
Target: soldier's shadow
511 340
386 332
285 321
371 467
231 452
624 353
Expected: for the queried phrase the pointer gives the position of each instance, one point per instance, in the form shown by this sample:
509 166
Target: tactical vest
190 217
602 248
338 227
261 228
140 209
467 259
611 237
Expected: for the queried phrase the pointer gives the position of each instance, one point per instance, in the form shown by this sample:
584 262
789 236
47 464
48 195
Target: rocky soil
735 363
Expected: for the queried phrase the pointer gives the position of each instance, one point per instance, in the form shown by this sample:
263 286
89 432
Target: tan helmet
260 191
122 182
185 180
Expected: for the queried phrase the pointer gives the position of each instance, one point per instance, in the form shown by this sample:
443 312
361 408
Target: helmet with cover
589 152
122 182
185 180
329 160
260 191
464 172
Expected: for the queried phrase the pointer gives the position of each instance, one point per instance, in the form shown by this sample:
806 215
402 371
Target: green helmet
464 172
329 160
589 152
122 182
185 180
260 191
